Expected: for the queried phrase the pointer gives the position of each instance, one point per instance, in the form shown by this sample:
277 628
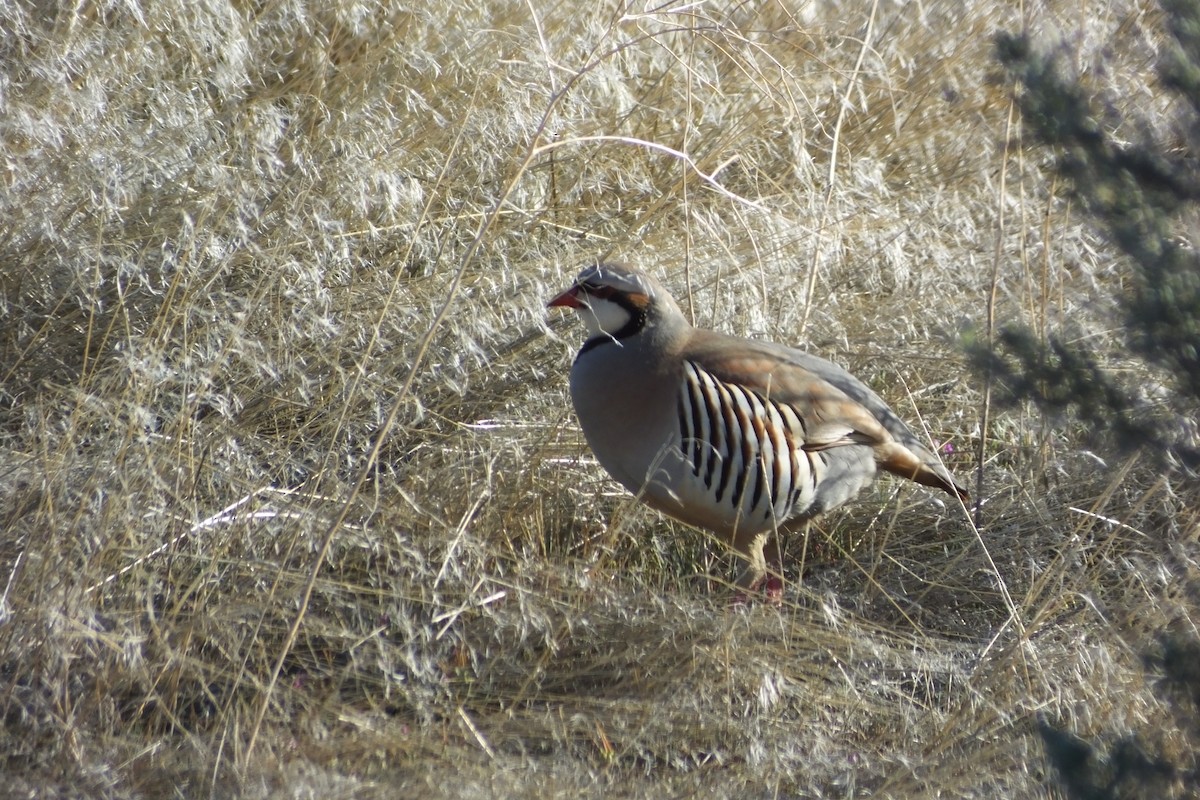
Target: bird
745 438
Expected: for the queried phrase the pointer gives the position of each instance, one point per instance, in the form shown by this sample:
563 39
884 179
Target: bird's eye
603 291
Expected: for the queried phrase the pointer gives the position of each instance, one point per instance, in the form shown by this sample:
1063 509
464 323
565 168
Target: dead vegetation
293 503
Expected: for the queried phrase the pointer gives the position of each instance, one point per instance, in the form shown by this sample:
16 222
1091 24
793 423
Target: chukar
742 437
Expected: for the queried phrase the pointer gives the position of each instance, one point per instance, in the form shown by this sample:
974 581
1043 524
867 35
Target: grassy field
292 500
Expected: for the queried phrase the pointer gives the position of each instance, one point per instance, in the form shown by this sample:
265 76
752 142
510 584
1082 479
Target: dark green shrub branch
1137 194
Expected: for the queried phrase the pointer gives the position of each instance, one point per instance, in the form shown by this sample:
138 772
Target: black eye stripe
603 291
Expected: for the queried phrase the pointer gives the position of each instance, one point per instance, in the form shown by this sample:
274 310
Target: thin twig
830 181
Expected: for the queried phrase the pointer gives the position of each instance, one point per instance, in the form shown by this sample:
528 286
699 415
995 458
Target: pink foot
774 590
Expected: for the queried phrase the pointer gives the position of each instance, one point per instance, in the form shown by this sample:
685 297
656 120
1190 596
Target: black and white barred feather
746 450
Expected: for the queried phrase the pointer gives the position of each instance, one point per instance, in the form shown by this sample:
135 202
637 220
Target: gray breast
626 410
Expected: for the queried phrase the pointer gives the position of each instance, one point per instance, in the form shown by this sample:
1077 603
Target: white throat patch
602 316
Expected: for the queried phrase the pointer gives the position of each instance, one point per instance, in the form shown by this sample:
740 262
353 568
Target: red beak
568 299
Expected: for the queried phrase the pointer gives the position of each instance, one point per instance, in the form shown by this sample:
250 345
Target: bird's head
613 301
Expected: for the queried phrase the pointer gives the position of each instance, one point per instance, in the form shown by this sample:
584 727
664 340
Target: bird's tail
900 460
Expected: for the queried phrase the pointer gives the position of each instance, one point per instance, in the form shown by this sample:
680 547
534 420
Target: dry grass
293 503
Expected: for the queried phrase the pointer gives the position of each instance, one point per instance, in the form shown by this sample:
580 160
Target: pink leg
774 588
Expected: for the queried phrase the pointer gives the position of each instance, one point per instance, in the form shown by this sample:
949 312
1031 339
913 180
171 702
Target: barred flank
744 448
